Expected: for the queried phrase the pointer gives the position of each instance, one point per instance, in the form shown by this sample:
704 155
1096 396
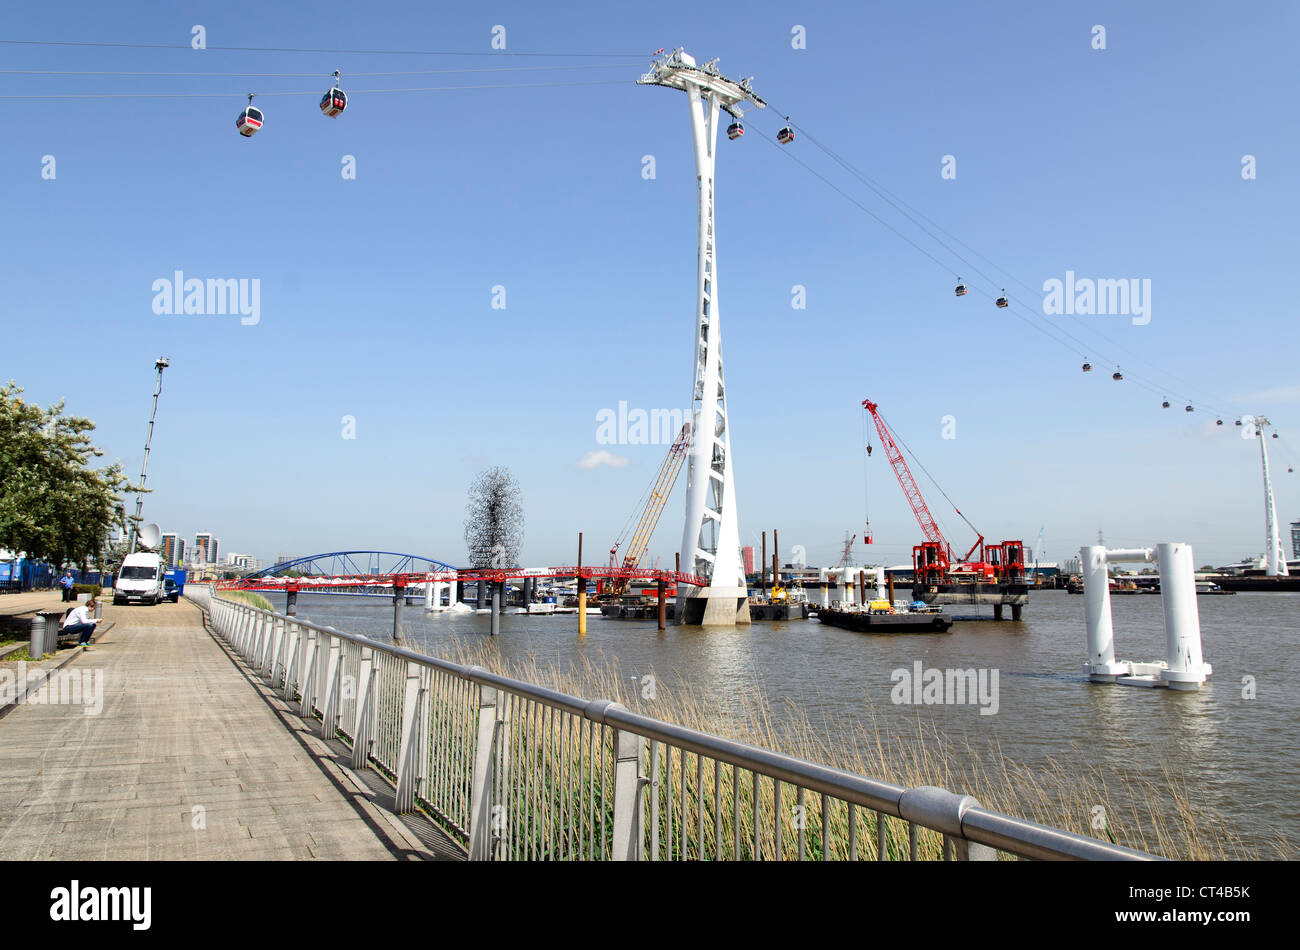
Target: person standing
79 622
66 582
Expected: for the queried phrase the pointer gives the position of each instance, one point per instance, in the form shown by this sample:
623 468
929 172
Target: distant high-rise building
168 549
748 555
180 552
205 548
1295 538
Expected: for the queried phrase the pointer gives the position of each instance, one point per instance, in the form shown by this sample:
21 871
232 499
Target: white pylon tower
711 535
1275 558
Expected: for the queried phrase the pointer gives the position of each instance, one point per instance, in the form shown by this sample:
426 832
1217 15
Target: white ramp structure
711 535
1183 668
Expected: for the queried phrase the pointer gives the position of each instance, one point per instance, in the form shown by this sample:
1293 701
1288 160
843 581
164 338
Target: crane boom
654 507
929 527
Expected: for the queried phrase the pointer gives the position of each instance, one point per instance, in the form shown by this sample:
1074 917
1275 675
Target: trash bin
45 633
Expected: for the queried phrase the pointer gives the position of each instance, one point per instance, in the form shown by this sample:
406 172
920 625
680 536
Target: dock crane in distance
933 562
654 507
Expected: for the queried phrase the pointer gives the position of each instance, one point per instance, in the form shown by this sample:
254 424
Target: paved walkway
188 759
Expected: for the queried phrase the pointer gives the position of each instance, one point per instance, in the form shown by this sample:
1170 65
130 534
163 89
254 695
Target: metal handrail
960 819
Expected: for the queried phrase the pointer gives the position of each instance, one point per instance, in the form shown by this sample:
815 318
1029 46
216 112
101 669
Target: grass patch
247 597
1149 811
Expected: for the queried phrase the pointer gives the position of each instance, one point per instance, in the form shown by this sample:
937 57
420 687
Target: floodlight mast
711 534
160 364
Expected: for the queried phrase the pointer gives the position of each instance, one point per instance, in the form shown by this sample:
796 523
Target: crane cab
1002 301
960 290
250 120
735 131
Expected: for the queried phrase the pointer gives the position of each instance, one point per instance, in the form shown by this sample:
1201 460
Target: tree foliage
54 505
494 520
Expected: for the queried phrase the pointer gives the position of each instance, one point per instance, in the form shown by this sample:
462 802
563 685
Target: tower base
714 607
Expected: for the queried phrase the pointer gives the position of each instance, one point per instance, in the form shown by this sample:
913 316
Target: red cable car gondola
786 135
250 120
735 131
334 101
960 290
1002 301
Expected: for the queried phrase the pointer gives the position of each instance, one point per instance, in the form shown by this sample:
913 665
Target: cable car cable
290 49
312 92
903 208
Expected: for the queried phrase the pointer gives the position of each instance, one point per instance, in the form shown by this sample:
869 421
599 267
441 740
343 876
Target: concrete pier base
714 607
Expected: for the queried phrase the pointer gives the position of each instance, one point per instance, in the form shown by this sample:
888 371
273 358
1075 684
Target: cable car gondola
735 131
1087 367
1165 404
335 100
1117 375
1218 422
1002 301
786 135
250 120
1187 408
961 288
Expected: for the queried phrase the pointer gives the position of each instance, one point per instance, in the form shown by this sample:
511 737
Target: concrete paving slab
181 725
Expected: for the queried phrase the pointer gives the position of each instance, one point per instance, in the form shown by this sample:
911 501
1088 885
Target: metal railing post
480 796
629 782
291 663
329 712
363 729
408 755
942 810
307 677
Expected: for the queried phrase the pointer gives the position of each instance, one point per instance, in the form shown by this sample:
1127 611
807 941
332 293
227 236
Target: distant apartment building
245 562
168 549
206 548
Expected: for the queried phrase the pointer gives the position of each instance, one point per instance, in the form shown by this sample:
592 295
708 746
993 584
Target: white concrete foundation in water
433 595
1184 667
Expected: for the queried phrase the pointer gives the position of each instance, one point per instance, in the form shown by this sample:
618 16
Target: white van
141 578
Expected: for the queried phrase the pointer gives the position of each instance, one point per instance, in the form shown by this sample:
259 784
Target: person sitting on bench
79 622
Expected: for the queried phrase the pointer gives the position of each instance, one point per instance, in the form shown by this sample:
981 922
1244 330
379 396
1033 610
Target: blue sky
376 293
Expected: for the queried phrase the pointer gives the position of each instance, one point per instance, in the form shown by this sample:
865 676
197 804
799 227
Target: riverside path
188 758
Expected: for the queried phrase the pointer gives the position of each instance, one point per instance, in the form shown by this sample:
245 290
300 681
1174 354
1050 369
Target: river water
1238 756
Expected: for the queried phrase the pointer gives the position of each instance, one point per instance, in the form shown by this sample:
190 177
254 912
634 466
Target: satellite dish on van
150 535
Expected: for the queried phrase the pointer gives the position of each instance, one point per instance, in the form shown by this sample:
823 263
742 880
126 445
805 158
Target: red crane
933 558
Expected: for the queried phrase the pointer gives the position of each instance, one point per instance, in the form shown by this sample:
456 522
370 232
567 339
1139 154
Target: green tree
54 505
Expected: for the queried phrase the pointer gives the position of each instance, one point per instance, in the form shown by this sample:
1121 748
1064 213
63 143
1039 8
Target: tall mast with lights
159 364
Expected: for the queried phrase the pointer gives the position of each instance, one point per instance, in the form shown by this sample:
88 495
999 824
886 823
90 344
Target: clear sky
376 292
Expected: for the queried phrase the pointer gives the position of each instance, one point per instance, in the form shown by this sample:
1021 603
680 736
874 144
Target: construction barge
874 619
